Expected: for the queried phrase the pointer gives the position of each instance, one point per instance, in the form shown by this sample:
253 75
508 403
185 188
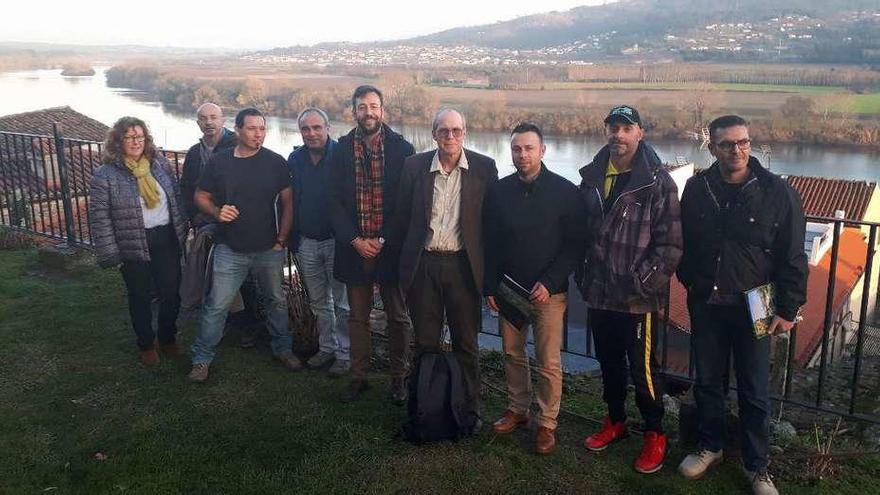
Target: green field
727 87
78 414
863 104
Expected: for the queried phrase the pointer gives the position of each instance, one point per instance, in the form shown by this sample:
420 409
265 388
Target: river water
32 90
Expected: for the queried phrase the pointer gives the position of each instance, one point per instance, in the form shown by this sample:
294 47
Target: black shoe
248 340
354 391
399 392
475 429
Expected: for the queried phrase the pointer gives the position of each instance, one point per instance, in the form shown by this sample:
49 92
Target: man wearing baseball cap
633 247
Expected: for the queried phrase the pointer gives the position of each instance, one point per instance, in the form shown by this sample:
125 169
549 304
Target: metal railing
44 183
44 189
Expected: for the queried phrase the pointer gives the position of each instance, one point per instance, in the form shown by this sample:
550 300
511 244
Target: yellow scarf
148 188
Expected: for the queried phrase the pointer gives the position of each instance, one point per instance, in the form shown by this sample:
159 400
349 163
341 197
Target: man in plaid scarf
364 175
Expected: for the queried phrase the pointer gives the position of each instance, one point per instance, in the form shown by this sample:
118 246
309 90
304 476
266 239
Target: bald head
210 118
208 107
447 114
449 131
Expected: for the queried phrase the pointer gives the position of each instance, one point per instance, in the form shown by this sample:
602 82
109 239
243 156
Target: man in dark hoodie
364 173
633 249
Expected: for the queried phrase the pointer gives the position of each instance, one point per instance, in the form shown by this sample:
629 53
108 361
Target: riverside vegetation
811 105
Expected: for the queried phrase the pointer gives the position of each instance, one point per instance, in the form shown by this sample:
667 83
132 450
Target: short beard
364 129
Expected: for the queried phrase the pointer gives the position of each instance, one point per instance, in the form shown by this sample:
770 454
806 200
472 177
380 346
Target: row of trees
408 101
801 119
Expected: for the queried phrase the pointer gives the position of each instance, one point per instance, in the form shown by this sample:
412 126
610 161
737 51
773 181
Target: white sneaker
695 465
199 372
762 483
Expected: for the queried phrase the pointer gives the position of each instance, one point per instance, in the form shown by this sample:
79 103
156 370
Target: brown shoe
509 422
545 440
149 357
171 350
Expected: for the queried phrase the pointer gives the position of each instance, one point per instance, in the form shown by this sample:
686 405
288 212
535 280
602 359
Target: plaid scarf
369 169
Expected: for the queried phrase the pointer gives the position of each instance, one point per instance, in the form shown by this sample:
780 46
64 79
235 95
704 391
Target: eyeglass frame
444 132
729 146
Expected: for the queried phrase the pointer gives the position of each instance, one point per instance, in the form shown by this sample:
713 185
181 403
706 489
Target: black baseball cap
624 113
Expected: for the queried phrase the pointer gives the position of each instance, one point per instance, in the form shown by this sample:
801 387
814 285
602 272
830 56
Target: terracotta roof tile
822 196
74 125
851 265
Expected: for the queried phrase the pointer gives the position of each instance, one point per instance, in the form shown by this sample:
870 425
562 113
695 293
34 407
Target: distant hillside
635 21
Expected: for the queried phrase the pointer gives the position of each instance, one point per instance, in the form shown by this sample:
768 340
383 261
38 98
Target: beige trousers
547 332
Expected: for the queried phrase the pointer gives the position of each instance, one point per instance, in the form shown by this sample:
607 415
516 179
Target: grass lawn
70 388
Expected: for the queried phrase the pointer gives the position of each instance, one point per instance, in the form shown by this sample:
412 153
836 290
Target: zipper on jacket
649 275
601 202
653 182
718 207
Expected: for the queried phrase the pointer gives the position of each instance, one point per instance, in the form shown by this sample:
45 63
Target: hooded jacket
634 248
760 240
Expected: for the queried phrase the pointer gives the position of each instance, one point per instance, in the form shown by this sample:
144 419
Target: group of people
438 231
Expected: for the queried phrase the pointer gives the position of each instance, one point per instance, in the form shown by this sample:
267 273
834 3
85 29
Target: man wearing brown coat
440 230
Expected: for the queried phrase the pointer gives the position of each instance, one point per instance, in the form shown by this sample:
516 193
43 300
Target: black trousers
163 273
718 331
622 338
444 290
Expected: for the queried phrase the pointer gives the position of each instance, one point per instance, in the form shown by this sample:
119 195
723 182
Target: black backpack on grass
436 400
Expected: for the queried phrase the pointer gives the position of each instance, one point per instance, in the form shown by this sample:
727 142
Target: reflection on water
173 129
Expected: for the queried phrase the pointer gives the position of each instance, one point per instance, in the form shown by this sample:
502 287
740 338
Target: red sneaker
653 452
610 433
149 357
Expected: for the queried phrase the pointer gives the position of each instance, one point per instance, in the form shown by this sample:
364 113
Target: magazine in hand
761 302
513 303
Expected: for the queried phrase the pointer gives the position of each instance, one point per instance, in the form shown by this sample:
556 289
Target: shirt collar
435 163
531 185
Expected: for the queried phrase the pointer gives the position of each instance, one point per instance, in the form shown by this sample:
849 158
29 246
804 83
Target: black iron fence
44 189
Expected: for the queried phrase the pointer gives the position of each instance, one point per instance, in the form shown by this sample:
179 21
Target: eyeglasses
728 146
134 139
445 133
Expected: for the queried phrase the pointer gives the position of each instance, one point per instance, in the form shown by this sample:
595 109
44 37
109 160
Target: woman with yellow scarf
136 225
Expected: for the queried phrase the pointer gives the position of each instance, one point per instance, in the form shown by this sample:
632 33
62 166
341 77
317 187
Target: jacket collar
644 169
540 179
756 170
227 140
301 152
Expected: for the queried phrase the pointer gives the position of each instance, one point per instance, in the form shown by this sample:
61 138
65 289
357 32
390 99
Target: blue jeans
327 295
718 331
230 269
